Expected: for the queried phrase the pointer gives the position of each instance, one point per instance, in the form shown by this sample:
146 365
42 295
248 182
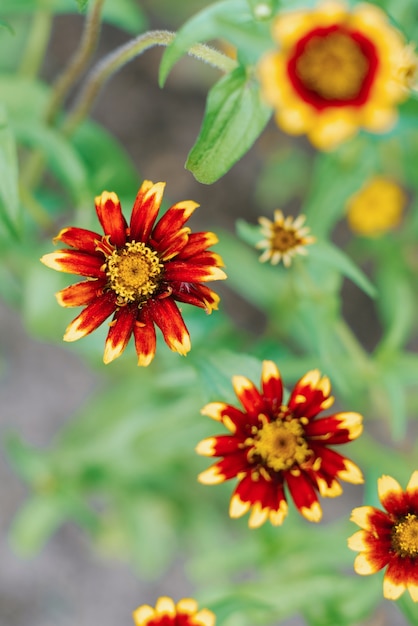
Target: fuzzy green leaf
235 116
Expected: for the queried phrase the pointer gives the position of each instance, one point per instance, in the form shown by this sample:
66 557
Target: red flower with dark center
273 446
390 539
137 272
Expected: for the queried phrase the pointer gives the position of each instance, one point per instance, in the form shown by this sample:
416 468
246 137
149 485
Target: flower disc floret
389 539
137 272
335 70
284 237
273 447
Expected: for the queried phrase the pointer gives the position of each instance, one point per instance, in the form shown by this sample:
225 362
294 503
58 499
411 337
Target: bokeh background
41 385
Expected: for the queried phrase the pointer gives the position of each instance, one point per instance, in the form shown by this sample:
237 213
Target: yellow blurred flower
376 208
284 238
336 70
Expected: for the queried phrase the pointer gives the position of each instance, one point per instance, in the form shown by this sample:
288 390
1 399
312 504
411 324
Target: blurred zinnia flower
137 272
389 538
272 445
376 208
284 238
166 613
336 70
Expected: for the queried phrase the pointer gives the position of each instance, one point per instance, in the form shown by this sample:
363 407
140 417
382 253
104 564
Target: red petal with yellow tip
91 317
120 332
167 317
173 220
197 242
81 294
145 338
75 262
80 238
110 216
145 210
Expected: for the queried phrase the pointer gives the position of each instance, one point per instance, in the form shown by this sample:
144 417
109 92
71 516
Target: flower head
336 70
166 613
284 238
389 538
376 208
137 273
272 446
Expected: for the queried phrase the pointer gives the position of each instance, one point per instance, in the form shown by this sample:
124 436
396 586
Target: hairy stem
78 62
114 61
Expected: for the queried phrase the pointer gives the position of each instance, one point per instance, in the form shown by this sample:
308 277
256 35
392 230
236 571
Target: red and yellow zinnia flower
137 273
272 445
389 538
166 613
336 70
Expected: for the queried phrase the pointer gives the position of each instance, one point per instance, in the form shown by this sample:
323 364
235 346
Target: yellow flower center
133 272
280 444
283 239
333 66
405 536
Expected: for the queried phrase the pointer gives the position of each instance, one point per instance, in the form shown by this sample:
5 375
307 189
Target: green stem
114 61
354 349
409 609
36 44
35 209
78 62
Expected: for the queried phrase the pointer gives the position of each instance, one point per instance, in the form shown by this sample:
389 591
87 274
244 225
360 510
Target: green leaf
7 26
9 194
216 22
334 257
24 98
235 116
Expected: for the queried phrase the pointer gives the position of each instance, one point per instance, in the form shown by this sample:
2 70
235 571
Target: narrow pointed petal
334 464
74 262
310 395
197 295
335 429
219 446
110 216
272 385
249 396
173 220
173 243
91 317
167 317
81 294
197 243
145 210
304 495
120 332
80 238
190 272
145 338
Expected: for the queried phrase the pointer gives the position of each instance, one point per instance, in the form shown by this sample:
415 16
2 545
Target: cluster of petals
166 613
389 538
336 69
284 237
273 446
137 272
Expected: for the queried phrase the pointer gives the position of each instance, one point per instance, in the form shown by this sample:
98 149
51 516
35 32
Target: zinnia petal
110 216
120 332
91 317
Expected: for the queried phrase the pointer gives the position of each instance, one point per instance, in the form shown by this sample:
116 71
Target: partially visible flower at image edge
283 238
376 208
137 273
166 613
336 70
272 445
389 538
